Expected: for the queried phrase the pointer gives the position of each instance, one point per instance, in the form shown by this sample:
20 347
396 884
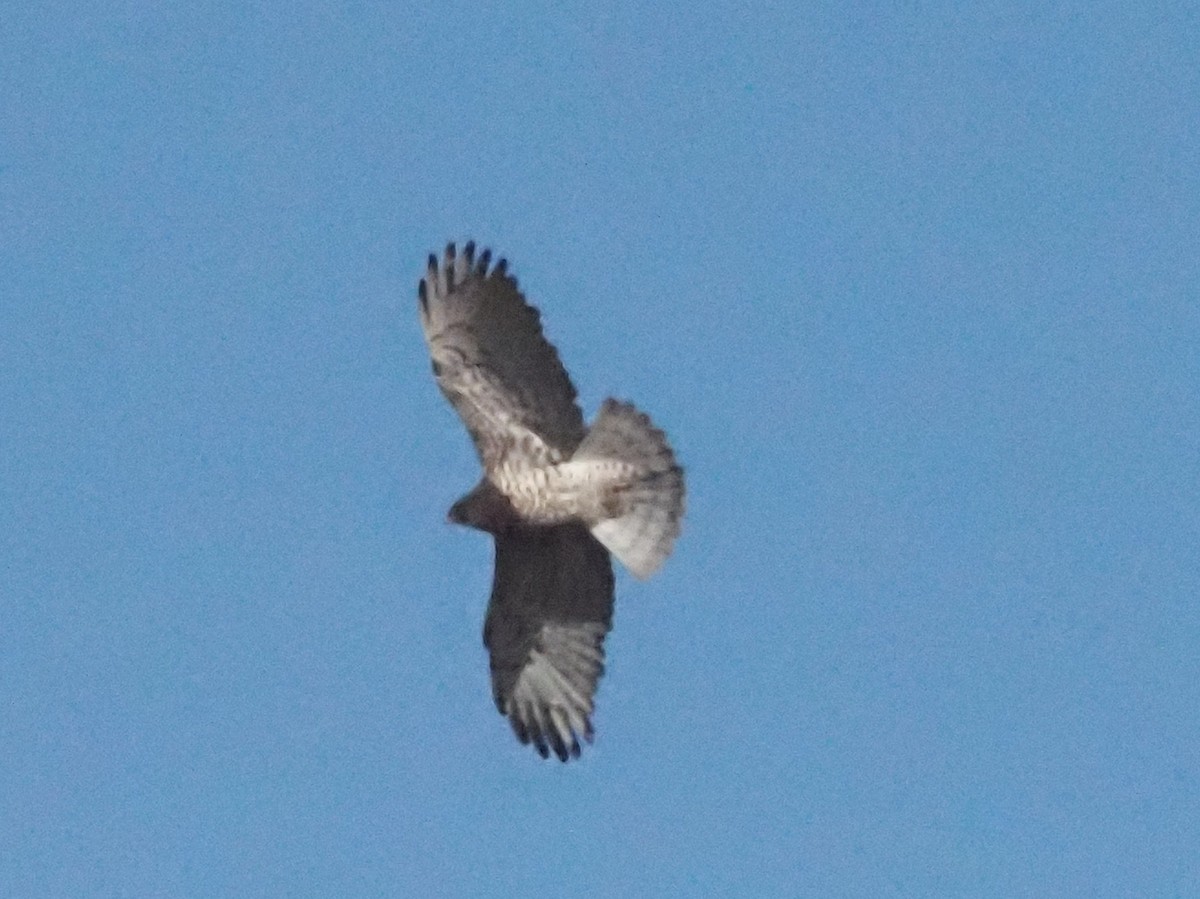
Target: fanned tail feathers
650 489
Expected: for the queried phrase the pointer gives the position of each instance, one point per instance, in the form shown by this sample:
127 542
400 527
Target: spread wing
493 363
552 602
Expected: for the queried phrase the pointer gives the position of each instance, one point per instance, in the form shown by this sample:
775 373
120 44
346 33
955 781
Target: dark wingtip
450 252
485 259
501 268
423 296
469 253
559 745
432 264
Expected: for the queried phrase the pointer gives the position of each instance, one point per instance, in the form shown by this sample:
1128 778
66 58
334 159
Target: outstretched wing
493 363
552 602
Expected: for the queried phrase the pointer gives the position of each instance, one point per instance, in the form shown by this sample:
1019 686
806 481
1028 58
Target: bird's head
484 508
458 513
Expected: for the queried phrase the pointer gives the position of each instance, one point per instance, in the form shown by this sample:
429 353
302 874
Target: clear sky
915 291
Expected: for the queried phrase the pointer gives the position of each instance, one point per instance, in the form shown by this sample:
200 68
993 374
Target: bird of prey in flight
559 498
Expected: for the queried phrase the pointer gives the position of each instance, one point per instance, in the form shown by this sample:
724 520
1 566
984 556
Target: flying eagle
557 497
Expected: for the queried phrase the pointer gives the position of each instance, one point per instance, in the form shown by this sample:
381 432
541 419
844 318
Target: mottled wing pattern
493 363
552 602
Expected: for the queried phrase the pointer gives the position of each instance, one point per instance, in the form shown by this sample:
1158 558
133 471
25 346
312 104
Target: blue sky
913 289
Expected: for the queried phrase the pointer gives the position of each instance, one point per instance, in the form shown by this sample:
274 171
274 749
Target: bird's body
556 496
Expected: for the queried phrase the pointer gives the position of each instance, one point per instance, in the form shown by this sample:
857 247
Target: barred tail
649 487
